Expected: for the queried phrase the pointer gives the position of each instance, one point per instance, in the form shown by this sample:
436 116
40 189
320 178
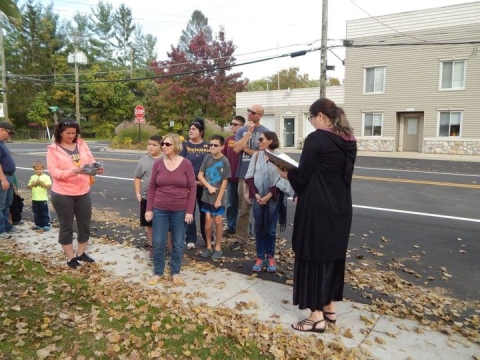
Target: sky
259 28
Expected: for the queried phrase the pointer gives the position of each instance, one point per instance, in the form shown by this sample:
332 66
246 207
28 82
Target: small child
40 183
214 173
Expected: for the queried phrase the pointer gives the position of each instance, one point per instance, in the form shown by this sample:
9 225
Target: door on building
411 134
288 132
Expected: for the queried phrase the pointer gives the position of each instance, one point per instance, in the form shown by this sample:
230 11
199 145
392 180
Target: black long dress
323 218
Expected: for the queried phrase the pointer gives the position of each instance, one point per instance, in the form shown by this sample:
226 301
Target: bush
129 135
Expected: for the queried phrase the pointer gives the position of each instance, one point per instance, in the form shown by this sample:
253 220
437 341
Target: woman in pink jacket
71 189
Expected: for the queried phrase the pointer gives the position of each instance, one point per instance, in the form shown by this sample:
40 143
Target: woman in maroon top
170 205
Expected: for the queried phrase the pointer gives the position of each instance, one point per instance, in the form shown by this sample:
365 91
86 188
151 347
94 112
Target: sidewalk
383 337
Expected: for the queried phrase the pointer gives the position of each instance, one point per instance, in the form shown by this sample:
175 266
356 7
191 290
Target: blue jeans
232 207
162 222
265 228
41 214
6 198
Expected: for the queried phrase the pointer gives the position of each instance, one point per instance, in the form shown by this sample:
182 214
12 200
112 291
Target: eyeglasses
251 112
8 131
214 145
260 139
165 144
310 118
234 124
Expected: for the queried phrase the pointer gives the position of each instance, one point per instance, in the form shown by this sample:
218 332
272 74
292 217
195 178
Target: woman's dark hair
62 126
270 135
220 138
199 123
336 115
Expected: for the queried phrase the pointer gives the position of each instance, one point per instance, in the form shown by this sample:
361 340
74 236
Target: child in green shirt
40 183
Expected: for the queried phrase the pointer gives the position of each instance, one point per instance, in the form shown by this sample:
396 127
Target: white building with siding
286 111
412 81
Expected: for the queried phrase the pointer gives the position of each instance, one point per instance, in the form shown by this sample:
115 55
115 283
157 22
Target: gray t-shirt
144 172
214 171
252 144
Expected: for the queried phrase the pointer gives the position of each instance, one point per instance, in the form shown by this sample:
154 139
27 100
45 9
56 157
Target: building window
372 124
450 123
453 74
375 80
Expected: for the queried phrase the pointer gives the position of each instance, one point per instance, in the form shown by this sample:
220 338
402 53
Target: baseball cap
7 126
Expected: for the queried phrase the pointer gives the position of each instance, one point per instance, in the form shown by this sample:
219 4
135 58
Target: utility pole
323 51
4 72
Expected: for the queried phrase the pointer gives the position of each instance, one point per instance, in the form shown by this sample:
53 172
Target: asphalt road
422 216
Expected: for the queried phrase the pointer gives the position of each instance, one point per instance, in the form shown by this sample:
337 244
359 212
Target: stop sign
139 111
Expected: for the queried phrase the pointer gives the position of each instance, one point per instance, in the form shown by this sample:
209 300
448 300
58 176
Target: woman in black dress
324 214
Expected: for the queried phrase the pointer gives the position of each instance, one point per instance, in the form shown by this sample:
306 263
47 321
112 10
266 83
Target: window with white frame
375 80
453 74
372 124
450 123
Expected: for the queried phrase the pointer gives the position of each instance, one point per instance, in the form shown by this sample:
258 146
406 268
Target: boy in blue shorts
213 175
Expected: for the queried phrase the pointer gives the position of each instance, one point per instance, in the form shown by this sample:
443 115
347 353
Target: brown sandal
299 326
325 313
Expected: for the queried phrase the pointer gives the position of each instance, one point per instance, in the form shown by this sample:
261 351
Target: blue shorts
207 208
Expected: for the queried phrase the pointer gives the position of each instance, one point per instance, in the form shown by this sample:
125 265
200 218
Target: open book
283 161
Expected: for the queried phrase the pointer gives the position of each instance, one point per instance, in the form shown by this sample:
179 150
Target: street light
78 57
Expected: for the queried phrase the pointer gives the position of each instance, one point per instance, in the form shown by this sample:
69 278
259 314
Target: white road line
415 171
416 213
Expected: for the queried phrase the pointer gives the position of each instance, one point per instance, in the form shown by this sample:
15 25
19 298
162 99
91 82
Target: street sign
54 108
139 120
139 111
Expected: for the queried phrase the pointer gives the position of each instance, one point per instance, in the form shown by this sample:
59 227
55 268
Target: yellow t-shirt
39 193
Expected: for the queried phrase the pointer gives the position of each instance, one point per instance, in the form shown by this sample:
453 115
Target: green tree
39 111
124 28
102 29
289 78
198 23
333 81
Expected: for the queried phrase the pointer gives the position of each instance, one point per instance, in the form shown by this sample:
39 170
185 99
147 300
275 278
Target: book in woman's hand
282 161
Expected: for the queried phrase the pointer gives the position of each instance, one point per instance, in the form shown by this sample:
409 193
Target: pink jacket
60 165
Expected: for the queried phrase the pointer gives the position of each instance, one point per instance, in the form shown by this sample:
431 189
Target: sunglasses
214 145
234 124
68 122
310 118
166 144
251 112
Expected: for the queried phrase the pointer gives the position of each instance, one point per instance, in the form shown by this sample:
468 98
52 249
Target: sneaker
18 222
236 246
229 232
46 228
14 230
85 257
271 267
216 255
258 266
5 236
73 263
251 236
190 246
206 253
36 227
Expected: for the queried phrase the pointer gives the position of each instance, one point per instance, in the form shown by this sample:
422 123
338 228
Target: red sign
140 120
139 111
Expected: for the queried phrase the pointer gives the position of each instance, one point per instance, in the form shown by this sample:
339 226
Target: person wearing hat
195 150
7 169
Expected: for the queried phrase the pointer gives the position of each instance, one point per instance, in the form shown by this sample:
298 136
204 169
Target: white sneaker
190 246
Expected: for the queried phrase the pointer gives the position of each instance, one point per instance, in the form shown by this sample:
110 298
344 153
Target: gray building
412 83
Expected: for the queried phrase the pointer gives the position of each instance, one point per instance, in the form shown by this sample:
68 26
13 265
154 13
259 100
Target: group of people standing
175 177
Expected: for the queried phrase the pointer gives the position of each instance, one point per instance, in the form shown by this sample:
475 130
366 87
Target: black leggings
69 207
